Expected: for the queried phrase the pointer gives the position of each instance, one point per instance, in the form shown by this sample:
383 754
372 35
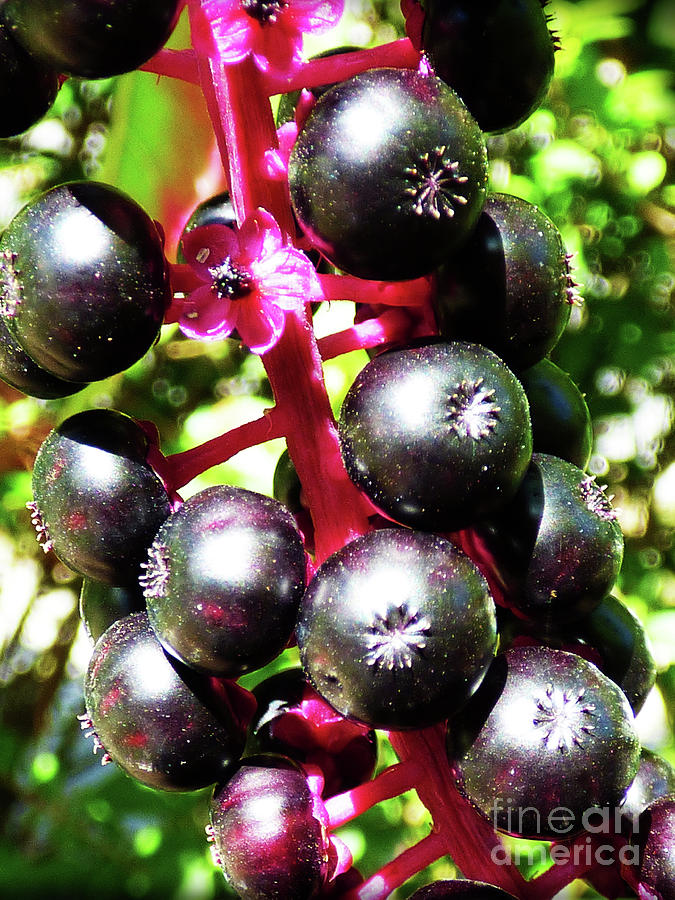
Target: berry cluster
439 555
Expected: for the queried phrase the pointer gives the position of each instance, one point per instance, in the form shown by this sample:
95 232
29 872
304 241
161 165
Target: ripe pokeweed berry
91 38
397 629
621 641
292 719
265 831
561 420
18 370
27 87
652 865
436 435
498 56
400 179
557 546
83 281
545 742
163 724
96 501
460 890
215 210
510 287
655 779
223 580
102 604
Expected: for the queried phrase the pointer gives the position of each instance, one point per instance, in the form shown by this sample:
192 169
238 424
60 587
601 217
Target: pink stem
183 467
391 782
388 293
398 54
391 326
468 838
381 885
181 64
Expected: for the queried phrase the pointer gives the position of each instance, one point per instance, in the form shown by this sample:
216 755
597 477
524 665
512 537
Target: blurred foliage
597 157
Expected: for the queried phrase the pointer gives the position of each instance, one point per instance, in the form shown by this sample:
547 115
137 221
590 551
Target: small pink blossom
251 278
270 30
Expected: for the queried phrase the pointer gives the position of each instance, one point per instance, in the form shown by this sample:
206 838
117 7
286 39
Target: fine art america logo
596 830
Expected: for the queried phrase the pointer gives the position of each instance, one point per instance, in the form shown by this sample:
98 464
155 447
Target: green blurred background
596 157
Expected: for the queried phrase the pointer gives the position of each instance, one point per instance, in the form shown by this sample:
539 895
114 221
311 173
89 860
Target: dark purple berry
397 629
18 370
97 502
27 87
509 287
92 38
654 851
287 489
83 281
497 55
400 179
561 421
460 890
545 742
437 436
558 545
655 779
102 604
166 726
266 836
292 719
619 638
223 580
216 210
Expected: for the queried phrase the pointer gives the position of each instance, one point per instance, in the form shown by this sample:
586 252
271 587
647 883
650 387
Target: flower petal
209 245
259 236
206 317
315 15
288 279
260 325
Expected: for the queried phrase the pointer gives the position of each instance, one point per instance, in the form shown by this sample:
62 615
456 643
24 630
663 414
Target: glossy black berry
460 890
497 55
223 580
166 726
292 719
400 179
655 779
102 604
509 287
436 435
397 629
654 843
266 838
83 281
96 501
561 421
92 38
27 87
557 545
620 639
18 370
545 740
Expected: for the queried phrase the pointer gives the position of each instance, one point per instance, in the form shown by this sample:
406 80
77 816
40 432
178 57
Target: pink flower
270 30
251 278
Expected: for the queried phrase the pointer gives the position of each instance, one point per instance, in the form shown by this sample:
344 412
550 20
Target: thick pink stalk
381 885
391 782
391 326
387 293
329 69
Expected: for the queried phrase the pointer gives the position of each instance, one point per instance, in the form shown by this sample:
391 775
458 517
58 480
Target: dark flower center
264 11
229 281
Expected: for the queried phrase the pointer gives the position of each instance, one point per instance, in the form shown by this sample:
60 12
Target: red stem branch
391 326
391 782
388 293
381 885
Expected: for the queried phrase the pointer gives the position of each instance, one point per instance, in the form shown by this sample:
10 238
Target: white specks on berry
87 726
472 411
593 495
396 637
10 284
156 570
434 184
563 718
38 524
